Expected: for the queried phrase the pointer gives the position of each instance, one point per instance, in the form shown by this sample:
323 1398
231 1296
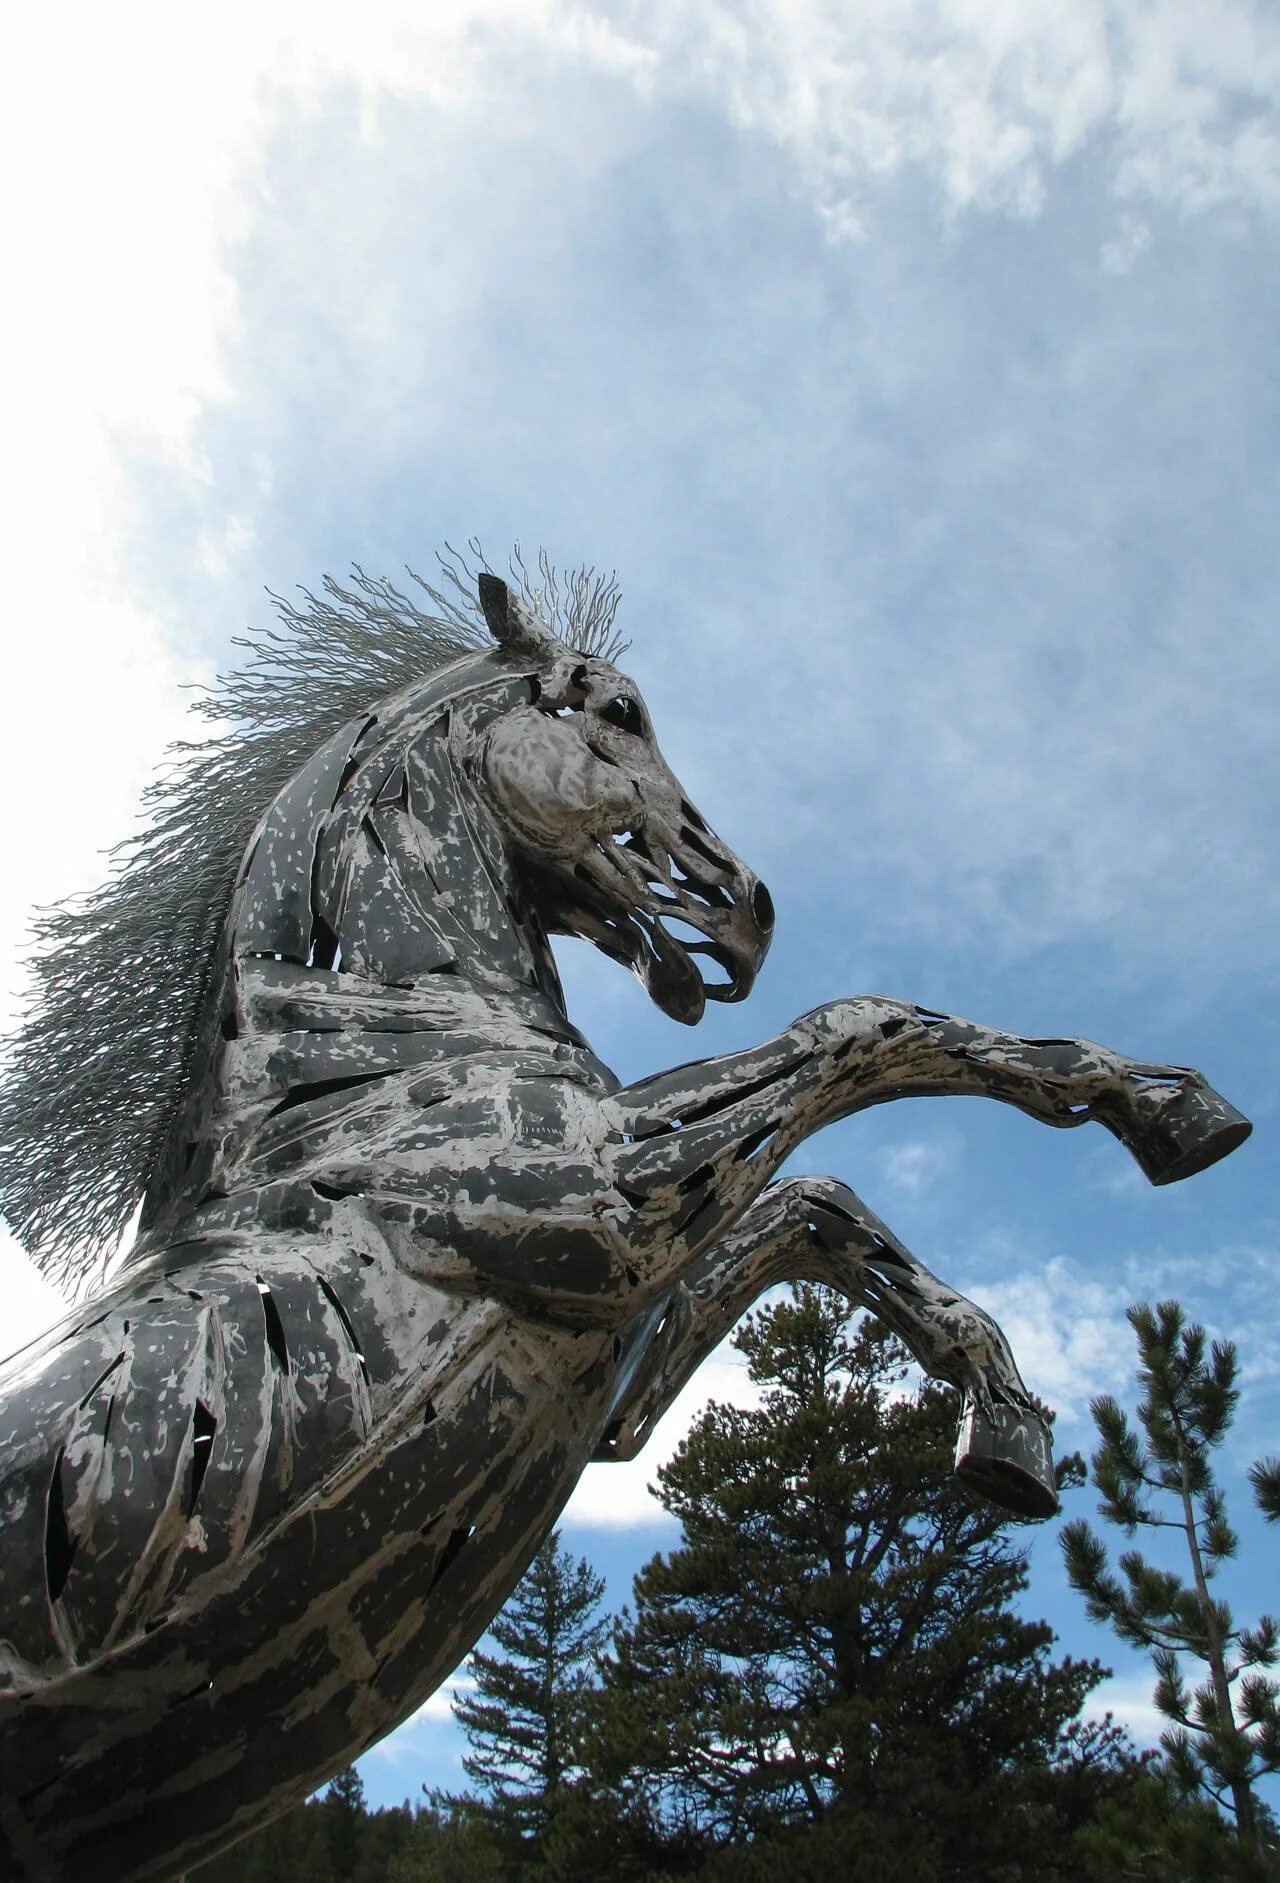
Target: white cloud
1128 1696
1131 240
1066 1323
914 1166
427 1741
988 100
1068 1334
617 1496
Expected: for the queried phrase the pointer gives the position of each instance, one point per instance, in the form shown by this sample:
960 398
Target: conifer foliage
344 1814
830 1665
1224 1733
523 1716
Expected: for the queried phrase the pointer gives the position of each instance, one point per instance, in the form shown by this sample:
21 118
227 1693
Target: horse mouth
681 912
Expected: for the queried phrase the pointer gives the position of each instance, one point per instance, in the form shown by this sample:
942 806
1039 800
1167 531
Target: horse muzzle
691 902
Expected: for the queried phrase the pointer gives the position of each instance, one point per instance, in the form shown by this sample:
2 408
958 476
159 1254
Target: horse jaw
671 978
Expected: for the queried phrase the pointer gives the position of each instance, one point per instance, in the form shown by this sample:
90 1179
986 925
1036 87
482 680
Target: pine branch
1264 1476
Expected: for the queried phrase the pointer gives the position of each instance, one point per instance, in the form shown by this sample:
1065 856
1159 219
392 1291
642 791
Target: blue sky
915 366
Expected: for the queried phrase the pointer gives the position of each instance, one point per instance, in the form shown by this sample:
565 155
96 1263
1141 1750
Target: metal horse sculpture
411 1257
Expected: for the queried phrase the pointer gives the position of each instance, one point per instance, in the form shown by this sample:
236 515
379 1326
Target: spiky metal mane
92 1077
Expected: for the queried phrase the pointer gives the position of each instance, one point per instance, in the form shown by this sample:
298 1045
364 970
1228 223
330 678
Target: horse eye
625 714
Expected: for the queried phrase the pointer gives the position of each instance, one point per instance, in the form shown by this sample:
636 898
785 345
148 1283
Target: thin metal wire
91 1079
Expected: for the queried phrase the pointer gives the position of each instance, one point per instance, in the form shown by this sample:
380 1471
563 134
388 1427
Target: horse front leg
815 1229
696 1145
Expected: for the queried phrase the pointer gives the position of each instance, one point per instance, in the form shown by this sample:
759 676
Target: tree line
830 1674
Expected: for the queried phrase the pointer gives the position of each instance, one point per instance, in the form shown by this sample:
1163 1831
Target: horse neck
380 861
380 858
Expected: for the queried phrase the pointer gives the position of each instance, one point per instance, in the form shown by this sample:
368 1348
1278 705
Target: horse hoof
1178 1128
1006 1455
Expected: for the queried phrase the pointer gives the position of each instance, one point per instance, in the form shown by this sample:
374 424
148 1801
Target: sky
915 367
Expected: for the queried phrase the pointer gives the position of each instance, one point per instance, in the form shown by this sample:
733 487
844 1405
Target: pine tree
522 1720
829 1670
344 1817
1225 1734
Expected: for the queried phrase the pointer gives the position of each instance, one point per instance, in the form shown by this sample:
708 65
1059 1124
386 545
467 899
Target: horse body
410 1257
227 1642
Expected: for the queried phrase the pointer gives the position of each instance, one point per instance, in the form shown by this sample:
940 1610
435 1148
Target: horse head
614 850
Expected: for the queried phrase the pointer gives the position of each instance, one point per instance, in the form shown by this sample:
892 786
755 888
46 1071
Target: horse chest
381 1550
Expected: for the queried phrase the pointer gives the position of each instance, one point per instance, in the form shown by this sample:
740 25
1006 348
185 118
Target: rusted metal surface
411 1257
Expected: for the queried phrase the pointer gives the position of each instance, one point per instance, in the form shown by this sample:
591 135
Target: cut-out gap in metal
105 1375
348 1329
394 792
323 1088
735 1094
59 1544
325 950
753 1142
449 1554
624 713
275 1326
696 1178
704 850
203 1427
336 1192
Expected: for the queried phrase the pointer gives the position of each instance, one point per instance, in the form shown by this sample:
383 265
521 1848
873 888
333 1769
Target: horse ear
513 624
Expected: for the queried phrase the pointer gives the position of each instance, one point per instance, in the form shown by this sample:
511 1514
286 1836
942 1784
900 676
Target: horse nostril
762 906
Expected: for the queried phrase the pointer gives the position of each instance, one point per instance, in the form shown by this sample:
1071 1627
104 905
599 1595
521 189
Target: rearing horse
411 1257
